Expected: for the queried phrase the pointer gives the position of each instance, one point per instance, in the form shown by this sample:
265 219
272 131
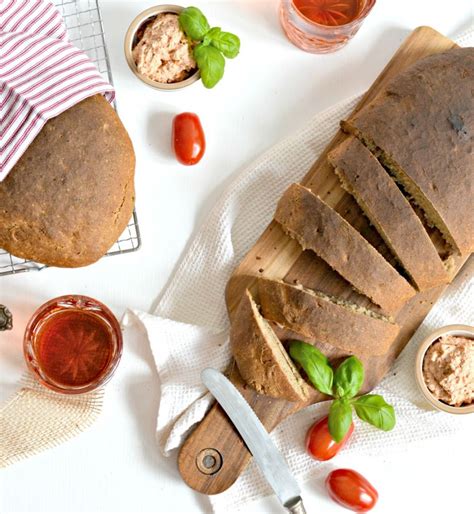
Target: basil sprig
343 385
212 45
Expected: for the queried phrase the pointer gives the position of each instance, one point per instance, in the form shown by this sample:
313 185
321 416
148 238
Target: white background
267 93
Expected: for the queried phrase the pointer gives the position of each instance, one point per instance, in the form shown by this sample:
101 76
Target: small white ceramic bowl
131 41
454 330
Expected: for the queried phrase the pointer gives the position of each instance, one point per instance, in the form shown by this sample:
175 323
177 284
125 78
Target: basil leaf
210 35
373 409
340 419
194 23
348 378
314 363
227 43
211 64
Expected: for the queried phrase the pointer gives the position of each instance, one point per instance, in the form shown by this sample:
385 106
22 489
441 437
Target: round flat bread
71 194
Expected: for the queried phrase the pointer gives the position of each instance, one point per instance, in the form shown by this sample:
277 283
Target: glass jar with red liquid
323 26
73 344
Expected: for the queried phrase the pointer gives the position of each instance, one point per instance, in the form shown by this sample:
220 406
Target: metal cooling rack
85 29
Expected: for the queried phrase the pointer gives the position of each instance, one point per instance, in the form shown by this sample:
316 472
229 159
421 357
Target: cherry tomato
351 490
319 443
189 142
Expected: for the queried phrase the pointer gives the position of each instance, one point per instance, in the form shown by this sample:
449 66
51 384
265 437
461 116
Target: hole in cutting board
209 461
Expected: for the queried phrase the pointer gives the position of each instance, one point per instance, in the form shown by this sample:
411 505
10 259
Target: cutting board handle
214 455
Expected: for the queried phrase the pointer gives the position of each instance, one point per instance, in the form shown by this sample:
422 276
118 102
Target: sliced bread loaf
422 130
389 211
344 325
262 361
317 227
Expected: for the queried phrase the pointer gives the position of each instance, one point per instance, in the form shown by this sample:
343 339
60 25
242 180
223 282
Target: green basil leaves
194 23
211 63
373 409
315 365
213 45
340 419
348 378
343 385
225 42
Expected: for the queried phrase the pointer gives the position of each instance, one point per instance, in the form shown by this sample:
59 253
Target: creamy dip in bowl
444 369
157 50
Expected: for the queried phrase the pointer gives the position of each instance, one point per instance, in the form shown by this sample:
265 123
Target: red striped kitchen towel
41 74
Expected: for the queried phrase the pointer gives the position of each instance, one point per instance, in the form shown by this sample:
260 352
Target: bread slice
374 366
390 212
325 319
262 361
317 227
422 130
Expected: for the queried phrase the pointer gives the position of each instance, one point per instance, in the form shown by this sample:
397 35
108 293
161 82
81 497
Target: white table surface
267 93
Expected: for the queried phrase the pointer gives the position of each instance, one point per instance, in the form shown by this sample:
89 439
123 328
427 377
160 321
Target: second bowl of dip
444 371
158 52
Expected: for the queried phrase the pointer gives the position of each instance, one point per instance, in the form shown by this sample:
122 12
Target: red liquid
330 12
74 347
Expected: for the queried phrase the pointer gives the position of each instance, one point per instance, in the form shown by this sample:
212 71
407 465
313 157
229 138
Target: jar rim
368 5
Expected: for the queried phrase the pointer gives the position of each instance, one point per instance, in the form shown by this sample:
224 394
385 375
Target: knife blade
266 454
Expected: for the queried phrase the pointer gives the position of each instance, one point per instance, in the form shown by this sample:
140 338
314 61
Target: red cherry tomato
319 443
189 142
351 490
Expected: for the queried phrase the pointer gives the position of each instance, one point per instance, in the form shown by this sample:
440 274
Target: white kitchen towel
41 74
189 328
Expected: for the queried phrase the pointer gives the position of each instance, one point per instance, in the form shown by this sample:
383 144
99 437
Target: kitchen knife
269 459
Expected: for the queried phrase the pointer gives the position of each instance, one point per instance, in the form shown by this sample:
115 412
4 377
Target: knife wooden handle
214 455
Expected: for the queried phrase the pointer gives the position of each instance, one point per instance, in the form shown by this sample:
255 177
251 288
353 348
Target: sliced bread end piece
433 217
261 358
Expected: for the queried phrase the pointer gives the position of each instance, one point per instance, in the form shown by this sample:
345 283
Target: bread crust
320 319
317 227
422 125
71 194
261 358
390 212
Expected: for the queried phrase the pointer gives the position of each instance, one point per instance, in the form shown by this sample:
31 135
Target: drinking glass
317 38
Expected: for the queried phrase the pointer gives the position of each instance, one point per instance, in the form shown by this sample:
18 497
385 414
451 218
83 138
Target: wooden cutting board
214 455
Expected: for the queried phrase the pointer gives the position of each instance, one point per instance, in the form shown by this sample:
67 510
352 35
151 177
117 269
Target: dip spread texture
448 370
164 54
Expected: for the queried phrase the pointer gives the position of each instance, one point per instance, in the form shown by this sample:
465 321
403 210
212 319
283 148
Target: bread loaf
422 129
71 194
317 227
261 358
390 212
341 324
